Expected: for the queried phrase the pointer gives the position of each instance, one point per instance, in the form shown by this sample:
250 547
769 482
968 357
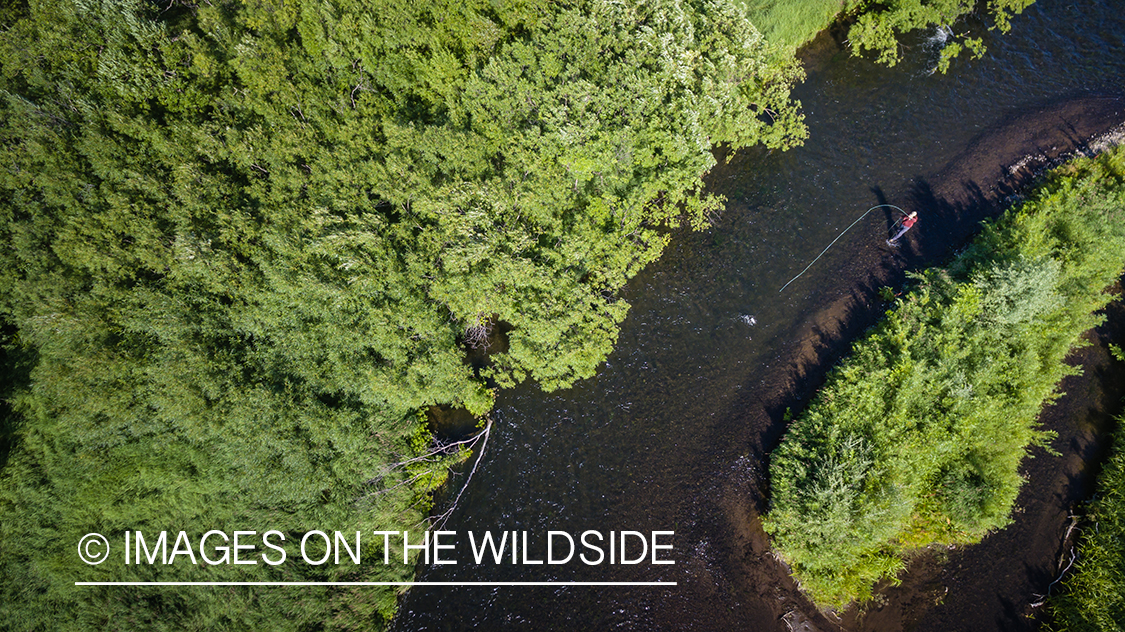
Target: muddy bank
984 587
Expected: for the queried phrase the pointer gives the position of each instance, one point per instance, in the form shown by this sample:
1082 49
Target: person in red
907 223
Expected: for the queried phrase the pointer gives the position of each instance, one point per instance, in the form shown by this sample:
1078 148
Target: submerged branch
440 521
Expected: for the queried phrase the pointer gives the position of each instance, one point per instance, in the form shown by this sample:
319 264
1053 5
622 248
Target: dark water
659 439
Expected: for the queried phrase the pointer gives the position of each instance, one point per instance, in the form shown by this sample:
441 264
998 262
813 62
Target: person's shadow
891 217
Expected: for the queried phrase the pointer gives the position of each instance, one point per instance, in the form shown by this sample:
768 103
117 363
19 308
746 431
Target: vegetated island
1093 598
246 245
917 436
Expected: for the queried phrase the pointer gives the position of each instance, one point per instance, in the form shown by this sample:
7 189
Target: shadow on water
674 431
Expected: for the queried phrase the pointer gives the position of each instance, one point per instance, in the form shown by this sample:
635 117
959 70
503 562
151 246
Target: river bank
671 432
735 565
974 186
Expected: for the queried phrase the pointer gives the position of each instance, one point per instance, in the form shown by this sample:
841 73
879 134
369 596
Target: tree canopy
244 243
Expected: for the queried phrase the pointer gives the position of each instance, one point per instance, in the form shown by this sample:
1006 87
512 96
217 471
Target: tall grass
1094 597
791 24
917 436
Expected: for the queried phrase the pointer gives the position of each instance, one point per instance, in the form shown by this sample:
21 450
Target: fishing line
838 239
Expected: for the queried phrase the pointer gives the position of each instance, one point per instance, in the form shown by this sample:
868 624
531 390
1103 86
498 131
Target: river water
672 432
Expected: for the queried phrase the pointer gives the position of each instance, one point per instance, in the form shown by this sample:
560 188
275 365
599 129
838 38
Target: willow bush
242 245
879 24
918 434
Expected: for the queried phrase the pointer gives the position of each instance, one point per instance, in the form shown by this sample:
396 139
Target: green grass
917 436
791 24
1094 597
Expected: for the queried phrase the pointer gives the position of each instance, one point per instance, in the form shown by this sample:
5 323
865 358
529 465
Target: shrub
917 436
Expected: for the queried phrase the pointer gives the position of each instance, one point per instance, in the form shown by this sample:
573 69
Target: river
673 432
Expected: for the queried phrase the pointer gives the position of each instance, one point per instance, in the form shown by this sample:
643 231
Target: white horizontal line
375 583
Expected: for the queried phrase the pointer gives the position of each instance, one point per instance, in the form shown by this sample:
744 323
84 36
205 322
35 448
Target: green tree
243 244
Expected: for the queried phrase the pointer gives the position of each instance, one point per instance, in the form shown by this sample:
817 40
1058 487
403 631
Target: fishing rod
838 239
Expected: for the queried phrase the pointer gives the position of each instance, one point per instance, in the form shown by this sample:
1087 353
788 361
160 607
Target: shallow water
659 439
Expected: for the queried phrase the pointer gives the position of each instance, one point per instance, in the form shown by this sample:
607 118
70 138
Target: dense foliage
1094 596
243 243
918 434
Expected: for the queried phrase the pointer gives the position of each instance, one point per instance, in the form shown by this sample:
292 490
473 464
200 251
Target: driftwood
439 521
1062 556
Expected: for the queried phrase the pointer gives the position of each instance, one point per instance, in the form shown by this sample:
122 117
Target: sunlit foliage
241 244
880 24
877 26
